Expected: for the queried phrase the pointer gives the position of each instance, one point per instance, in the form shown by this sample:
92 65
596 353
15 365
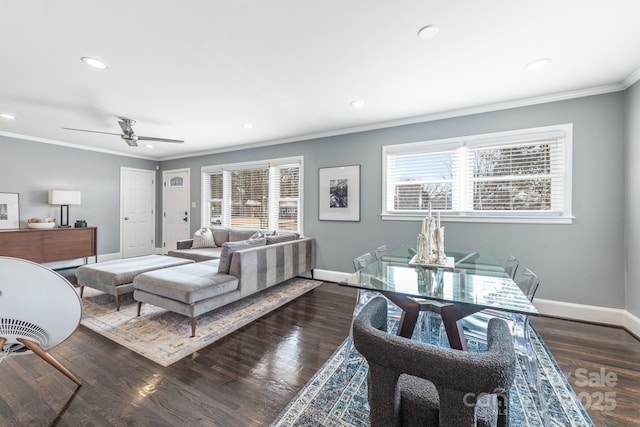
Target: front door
137 222
175 206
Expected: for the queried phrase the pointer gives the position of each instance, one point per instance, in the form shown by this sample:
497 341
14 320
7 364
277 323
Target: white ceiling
197 70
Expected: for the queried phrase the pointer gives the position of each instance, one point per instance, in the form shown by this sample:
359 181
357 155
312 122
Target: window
264 195
515 176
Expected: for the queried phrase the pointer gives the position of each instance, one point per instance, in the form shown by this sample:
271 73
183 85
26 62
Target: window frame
226 170
561 131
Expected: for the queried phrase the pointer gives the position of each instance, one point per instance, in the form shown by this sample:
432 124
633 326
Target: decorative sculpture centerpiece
430 249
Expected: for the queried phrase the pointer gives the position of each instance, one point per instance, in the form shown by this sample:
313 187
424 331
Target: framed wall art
339 193
9 211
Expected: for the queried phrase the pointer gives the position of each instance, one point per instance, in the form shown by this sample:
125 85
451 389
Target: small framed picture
9 211
339 192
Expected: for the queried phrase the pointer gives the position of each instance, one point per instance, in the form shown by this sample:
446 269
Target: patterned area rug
165 337
337 394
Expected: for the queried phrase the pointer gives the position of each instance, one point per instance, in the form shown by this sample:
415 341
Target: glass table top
477 279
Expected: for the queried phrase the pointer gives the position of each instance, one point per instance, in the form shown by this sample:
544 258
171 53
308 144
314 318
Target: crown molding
600 90
631 79
67 144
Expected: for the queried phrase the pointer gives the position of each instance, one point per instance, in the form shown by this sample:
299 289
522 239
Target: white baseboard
632 324
109 257
589 313
329 275
565 310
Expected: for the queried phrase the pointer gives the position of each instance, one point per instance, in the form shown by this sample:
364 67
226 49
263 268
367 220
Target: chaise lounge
244 268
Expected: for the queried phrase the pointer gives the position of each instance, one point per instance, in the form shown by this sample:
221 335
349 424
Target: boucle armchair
413 383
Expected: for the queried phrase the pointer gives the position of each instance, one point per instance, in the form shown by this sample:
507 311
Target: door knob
126 218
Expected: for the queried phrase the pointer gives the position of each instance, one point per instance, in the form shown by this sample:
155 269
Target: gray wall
633 199
33 168
580 263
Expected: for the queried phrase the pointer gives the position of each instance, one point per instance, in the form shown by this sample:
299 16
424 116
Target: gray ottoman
116 277
190 290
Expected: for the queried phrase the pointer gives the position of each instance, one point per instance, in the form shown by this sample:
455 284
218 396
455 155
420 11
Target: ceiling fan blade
92 131
151 138
130 142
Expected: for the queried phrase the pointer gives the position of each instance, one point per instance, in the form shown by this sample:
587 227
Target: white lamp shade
37 304
64 197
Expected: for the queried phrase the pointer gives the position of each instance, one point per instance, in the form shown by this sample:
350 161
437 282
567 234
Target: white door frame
164 201
152 174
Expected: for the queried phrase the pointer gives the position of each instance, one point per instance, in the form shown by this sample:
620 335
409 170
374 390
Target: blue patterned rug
337 394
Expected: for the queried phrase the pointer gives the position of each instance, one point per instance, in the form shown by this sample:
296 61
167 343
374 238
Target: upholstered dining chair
416 384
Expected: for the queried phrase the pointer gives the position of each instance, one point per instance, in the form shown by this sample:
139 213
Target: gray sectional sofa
203 251
239 266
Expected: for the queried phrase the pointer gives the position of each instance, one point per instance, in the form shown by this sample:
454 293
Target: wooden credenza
48 245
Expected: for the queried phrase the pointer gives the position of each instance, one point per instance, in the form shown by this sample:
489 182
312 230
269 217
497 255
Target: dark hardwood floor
247 378
602 365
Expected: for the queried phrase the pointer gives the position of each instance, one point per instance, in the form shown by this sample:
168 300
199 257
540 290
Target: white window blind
263 195
517 174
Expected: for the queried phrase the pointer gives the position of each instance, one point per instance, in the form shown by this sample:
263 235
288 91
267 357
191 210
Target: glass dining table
473 282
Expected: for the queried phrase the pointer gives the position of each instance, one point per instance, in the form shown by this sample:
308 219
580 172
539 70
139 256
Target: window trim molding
268 163
564 131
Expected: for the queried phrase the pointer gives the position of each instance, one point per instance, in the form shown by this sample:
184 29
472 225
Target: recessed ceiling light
428 32
148 145
537 64
357 103
247 125
93 62
7 116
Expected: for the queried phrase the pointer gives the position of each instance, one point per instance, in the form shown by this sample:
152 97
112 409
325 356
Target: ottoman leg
117 303
194 320
81 291
139 307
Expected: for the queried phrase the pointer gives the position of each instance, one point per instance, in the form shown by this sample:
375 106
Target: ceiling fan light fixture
94 62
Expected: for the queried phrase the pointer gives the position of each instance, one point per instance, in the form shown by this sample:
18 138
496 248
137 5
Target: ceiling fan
128 135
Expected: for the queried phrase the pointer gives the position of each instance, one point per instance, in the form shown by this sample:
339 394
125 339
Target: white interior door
175 205
137 222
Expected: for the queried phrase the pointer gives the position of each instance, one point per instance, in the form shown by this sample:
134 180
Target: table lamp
64 198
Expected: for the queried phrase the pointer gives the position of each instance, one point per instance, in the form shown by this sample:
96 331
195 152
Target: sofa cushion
198 255
203 238
122 271
188 285
238 235
230 247
279 238
220 235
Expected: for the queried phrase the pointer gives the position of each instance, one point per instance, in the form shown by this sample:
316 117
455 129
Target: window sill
524 219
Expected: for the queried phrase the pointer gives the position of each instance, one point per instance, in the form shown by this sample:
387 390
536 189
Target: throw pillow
229 248
235 235
281 238
203 238
257 235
